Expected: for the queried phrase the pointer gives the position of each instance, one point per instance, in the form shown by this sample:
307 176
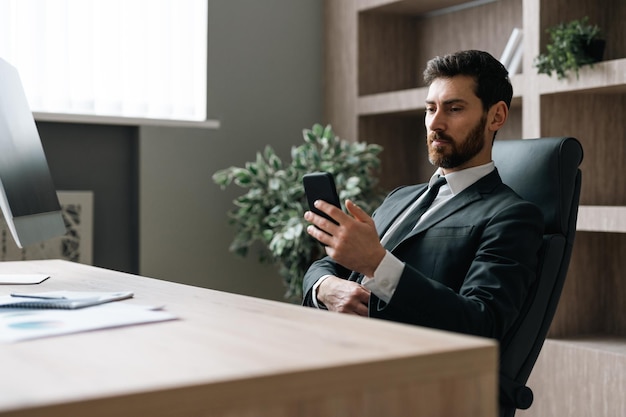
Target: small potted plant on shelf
270 213
573 45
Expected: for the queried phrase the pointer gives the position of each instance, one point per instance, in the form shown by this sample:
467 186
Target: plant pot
595 49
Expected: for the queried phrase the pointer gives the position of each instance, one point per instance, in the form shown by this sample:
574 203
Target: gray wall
101 159
265 86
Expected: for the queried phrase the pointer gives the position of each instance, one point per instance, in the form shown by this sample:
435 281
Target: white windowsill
123 121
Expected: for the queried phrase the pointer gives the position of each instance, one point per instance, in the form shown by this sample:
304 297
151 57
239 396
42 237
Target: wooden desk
231 355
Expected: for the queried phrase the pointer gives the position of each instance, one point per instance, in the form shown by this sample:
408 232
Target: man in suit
468 263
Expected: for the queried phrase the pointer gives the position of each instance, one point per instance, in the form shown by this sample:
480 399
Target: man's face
456 125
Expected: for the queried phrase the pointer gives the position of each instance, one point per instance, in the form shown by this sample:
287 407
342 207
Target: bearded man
467 262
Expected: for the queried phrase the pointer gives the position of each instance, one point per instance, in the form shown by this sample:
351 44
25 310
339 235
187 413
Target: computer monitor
27 195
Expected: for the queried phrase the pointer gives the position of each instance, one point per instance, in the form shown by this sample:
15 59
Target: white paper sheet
18 324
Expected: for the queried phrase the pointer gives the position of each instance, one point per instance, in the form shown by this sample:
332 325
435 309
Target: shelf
611 219
603 77
579 377
603 344
412 100
416 7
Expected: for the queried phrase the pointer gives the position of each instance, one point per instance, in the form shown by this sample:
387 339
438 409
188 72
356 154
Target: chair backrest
546 172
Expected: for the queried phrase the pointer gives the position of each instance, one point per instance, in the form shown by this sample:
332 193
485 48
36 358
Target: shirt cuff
386 277
318 304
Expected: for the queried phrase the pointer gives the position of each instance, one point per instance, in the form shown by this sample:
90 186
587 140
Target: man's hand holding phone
350 239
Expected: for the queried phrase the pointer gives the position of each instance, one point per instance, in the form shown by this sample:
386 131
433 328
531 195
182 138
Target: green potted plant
271 211
573 45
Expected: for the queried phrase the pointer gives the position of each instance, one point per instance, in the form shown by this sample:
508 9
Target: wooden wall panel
340 88
593 297
602 136
579 378
403 137
386 59
487 27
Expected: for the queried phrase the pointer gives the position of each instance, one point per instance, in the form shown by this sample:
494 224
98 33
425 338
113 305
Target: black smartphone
321 186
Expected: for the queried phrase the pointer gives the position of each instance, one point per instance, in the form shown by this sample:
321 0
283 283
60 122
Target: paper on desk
18 324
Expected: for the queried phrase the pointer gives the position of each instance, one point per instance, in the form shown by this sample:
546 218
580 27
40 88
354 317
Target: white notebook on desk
68 300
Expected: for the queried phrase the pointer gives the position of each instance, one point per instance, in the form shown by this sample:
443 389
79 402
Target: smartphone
321 186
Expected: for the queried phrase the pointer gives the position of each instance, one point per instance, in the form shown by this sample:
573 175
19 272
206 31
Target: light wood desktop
231 355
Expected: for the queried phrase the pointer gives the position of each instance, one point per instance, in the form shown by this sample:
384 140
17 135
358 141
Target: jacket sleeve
324 266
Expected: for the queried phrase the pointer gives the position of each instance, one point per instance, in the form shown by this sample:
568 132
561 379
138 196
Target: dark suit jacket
468 266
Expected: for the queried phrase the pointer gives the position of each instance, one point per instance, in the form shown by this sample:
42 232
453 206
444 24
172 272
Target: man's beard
459 153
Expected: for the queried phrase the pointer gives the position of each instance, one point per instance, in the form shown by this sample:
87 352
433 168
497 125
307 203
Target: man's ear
497 116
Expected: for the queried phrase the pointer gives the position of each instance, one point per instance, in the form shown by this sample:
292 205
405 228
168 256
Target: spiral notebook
68 300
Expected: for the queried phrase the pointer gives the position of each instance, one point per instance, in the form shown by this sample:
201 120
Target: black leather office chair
544 171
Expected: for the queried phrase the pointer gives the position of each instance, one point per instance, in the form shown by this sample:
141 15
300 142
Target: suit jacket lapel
396 208
452 206
461 200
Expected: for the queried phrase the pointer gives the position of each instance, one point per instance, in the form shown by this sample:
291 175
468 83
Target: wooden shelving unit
376 52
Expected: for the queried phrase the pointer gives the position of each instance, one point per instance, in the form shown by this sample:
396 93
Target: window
122 58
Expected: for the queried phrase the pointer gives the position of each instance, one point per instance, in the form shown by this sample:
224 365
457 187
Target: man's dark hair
492 78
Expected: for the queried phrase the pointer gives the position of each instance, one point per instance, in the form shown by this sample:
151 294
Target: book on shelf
512 54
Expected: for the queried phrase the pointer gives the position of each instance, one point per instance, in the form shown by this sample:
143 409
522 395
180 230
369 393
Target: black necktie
407 225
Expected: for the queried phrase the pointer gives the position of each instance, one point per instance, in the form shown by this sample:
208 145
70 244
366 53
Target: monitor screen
27 195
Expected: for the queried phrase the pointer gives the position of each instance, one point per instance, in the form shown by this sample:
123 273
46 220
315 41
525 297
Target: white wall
265 86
